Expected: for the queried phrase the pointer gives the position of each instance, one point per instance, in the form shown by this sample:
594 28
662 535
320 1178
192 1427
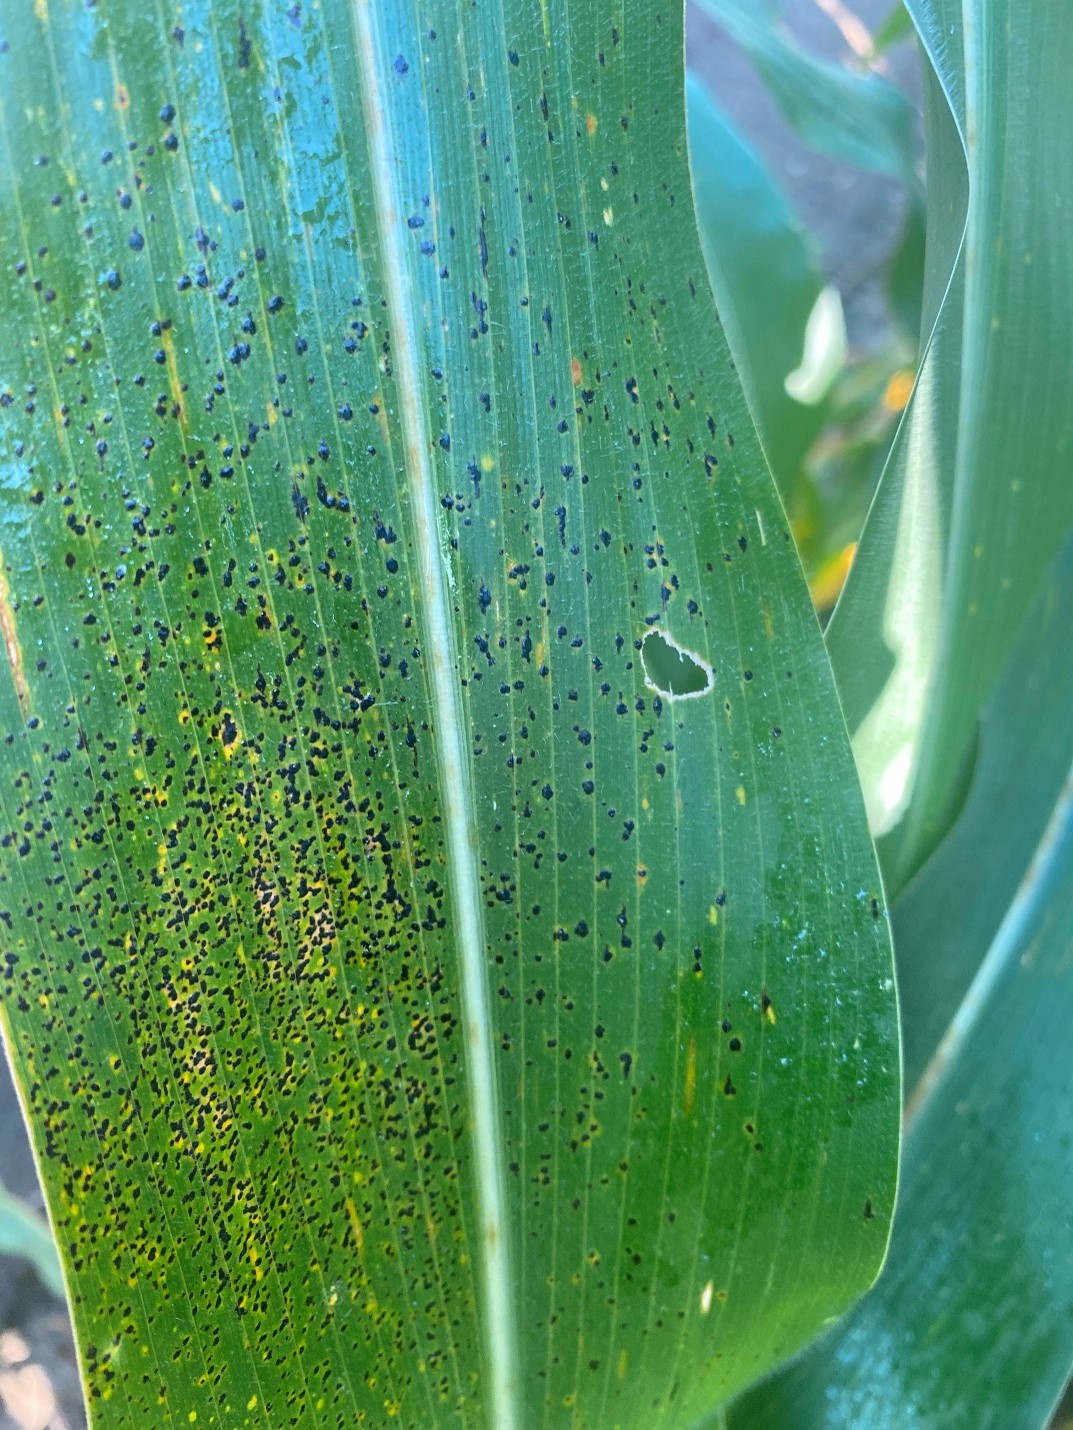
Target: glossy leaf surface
419 1016
977 501
970 1323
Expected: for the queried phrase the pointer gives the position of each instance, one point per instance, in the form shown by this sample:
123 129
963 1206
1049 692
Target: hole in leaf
671 670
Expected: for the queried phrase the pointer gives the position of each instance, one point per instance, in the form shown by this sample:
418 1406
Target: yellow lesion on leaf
689 1092
12 646
229 734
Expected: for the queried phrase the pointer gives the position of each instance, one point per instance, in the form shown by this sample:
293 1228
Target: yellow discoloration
229 734
487 462
689 1092
826 585
609 215
713 915
740 792
12 648
897 391
41 11
706 1297
122 96
621 1366
175 387
769 625
355 1226
591 123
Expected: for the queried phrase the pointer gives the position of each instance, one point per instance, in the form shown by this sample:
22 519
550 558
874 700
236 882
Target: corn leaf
444 958
976 502
969 1324
764 276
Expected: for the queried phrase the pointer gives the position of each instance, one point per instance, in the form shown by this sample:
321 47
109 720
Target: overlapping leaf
970 1322
977 501
764 275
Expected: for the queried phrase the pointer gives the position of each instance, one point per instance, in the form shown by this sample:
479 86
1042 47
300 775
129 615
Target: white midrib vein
459 816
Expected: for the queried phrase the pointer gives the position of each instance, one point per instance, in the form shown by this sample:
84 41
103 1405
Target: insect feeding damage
671 670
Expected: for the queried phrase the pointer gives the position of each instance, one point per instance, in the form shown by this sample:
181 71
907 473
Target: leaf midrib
453 764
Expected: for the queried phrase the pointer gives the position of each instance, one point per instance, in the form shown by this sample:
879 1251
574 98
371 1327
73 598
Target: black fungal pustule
231 958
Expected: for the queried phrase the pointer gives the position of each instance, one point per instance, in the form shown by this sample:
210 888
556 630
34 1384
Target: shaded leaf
976 502
24 1233
856 118
1024 749
764 277
896 27
906 267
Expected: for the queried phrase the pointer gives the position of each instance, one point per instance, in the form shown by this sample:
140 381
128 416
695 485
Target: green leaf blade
994 336
394 918
969 1321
